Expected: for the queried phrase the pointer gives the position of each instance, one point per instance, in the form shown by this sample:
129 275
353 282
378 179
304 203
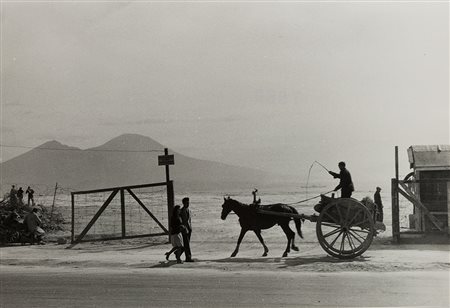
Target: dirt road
59 287
135 274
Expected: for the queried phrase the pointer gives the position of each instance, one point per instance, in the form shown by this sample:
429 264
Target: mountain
125 160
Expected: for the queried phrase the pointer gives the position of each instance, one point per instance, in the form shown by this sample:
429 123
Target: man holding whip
345 183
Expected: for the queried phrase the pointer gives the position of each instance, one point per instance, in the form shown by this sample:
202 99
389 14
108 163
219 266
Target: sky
269 85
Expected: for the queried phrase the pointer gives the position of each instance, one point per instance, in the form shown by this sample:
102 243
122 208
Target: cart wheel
345 228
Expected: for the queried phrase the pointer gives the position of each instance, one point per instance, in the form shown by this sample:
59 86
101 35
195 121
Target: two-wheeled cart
344 227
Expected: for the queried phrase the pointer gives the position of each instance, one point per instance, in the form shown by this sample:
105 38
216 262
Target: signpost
164 160
167 160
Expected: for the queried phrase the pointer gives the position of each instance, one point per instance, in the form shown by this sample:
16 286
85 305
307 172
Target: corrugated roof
429 156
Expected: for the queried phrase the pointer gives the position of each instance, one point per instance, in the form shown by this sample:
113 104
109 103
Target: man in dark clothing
187 231
13 195
379 203
30 193
33 224
345 183
20 195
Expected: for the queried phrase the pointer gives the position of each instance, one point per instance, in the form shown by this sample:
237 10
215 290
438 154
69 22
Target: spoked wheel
345 228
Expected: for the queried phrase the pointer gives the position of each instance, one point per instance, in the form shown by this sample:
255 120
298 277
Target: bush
11 220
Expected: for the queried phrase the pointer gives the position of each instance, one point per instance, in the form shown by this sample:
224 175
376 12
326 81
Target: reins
301 201
298 202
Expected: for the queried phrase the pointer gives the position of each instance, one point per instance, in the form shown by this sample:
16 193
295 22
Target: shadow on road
299 261
246 260
407 240
99 248
164 264
289 261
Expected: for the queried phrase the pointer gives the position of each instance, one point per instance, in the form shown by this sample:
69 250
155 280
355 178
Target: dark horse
249 219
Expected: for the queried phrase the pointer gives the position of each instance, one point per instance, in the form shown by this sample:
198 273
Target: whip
322 166
309 174
301 201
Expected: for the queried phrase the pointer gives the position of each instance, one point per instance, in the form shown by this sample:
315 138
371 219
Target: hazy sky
271 85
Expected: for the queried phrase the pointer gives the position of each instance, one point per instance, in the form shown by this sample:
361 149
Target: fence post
395 211
72 239
122 211
53 204
170 203
448 208
395 202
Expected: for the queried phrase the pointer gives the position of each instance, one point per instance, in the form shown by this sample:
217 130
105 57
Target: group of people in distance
180 232
32 222
16 195
347 188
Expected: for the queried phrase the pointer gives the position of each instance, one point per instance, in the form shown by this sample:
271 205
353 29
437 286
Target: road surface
147 287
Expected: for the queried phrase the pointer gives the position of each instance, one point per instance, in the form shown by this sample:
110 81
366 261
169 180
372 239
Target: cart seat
324 201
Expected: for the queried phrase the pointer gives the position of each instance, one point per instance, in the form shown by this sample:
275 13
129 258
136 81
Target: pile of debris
12 228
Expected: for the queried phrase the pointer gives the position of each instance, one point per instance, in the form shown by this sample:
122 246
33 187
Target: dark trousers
380 214
187 245
346 193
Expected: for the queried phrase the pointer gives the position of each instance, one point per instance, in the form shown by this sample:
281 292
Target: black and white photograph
224 153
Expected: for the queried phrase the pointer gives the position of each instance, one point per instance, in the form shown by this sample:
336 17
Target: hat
378 188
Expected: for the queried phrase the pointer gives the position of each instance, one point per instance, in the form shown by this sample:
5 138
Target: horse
250 219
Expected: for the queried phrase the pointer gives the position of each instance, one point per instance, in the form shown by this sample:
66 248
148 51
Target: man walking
186 218
379 203
345 183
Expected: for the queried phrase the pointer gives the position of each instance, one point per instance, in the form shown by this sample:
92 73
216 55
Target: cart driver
345 183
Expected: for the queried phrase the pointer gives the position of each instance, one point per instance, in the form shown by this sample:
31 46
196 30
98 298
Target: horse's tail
298 222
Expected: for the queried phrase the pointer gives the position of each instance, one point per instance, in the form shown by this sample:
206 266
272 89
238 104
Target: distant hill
125 160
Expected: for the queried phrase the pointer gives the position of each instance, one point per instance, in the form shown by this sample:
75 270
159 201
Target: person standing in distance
345 183
20 195
379 203
30 193
187 231
13 195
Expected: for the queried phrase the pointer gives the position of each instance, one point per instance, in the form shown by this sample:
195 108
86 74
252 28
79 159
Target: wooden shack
429 183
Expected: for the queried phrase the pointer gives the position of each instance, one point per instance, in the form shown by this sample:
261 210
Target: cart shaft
300 216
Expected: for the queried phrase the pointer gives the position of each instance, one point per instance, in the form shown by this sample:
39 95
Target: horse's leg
258 234
295 248
289 234
241 236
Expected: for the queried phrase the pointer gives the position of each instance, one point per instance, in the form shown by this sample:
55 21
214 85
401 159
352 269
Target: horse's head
227 207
